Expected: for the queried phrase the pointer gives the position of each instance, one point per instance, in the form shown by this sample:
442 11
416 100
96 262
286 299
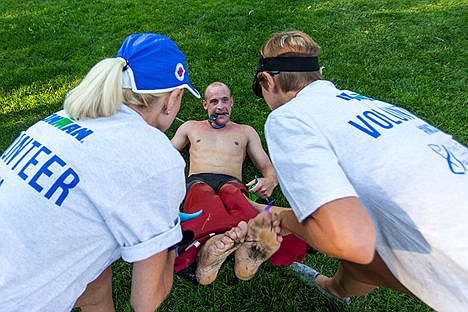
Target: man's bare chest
219 141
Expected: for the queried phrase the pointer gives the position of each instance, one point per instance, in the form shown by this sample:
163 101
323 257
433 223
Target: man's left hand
263 188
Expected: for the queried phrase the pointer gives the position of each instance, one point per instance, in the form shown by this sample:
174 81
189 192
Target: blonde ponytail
99 94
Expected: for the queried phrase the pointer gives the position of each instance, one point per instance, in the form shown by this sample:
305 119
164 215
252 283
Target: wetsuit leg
198 196
232 195
214 219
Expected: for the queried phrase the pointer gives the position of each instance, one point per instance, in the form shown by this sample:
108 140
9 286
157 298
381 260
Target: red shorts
221 212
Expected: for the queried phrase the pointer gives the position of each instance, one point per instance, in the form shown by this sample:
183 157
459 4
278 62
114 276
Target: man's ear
205 104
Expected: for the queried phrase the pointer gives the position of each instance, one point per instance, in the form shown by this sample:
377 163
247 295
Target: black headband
283 64
288 64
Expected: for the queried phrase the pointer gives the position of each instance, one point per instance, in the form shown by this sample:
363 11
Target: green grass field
408 52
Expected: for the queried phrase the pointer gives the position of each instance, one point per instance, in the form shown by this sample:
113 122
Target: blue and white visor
154 65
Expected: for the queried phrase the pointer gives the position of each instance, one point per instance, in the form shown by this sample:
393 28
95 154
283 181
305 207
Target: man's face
218 101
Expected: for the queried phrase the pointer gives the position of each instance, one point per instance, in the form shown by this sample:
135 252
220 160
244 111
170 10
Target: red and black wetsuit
221 197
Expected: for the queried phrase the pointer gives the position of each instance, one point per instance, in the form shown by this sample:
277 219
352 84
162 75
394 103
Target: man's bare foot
215 251
261 242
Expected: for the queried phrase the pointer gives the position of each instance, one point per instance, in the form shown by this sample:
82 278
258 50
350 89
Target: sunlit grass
408 52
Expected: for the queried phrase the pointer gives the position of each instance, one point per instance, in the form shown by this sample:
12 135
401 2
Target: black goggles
275 65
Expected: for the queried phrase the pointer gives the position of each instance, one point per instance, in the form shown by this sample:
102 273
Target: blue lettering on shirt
429 129
33 161
64 185
16 147
365 127
374 121
44 171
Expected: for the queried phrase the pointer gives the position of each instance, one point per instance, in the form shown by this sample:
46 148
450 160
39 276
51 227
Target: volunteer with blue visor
96 182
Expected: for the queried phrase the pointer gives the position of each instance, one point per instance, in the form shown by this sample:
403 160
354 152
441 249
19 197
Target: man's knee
232 188
199 190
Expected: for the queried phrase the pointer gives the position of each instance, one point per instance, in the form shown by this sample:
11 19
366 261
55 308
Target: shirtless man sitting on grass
228 223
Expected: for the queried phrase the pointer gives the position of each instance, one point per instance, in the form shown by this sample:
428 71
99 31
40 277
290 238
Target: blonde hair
143 100
100 93
289 44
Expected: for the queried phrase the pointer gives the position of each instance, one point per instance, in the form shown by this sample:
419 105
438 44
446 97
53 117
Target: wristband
267 208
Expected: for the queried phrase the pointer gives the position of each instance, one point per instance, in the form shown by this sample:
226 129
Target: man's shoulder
247 129
195 128
194 122
241 126
190 124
